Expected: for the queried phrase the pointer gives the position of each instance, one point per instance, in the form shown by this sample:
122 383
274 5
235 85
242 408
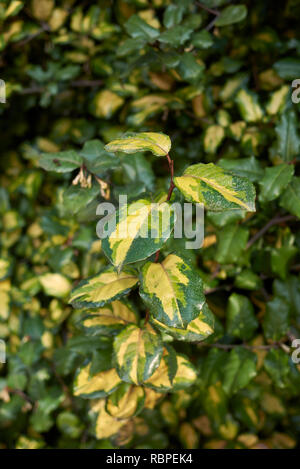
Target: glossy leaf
231 14
103 288
162 378
216 188
241 320
137 353
126 402
110 319
139 29
172 291
186 374
277 319
290 198
245 167
231 244
239 370
99 385
288 138
141 229
275 181
159 144
60 162
105 425
198 329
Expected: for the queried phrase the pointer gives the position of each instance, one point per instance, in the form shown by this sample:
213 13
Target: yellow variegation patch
106 103
159 144
186 373
103 288
162 378
249 107
55 285
126 401
110 318
197 330
106 425
141 229
278 100
4 304
99 385
5 266
216 188
213 137
172 291
137 352
152 398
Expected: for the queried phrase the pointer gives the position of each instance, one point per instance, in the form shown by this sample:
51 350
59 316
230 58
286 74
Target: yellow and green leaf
105 104
162 378
173 291
141 229
198 329
249 106
110 319
96 386
126 402
216 188
186 373
105 425
137 352
55 285
152 398
159 144
103 288
5 267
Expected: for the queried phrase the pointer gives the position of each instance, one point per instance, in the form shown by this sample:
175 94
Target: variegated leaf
141 229
172 291
137 353
126 402
105 425
186 373
162 378
216 188
197 330
99 385
110 319
152 398
103 288
159 144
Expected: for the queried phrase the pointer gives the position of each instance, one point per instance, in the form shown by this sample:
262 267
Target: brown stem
157 256
171 167
210 10
170 191
21 394
147 317
274 221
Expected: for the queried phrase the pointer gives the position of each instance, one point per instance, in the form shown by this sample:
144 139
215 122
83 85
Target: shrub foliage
135 341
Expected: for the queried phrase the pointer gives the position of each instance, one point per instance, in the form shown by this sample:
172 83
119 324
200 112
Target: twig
274 221
170 191
210 10
211 24
86 83
172 185
147 317
20 393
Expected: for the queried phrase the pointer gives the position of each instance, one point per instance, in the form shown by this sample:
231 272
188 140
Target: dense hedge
216 76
